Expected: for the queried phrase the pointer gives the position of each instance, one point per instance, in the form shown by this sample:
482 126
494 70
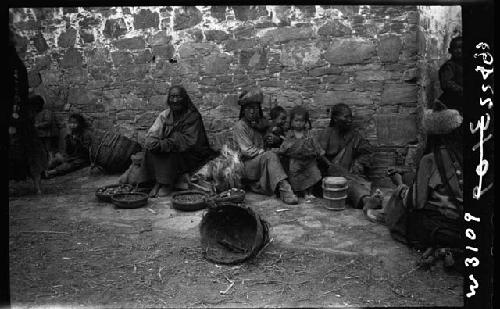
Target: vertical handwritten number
477 194
468 217
481 124
486 87
482 167
487 58
488 100
484 72
483 46
472 287
471 248
473 260
470 234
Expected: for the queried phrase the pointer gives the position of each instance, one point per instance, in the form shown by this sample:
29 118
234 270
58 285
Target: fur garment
252 95
441 122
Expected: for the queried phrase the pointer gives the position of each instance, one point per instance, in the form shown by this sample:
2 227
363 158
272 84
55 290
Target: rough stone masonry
115 64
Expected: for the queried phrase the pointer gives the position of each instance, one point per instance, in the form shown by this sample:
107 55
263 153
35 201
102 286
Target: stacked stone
115 64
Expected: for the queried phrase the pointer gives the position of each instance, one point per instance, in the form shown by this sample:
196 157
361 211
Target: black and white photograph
328 155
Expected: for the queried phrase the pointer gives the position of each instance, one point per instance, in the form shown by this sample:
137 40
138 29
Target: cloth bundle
136 173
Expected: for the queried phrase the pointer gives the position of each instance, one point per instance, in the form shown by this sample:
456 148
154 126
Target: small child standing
45 125
303 151
276 131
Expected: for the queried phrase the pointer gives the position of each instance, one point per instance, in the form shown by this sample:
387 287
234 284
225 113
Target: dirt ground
68 249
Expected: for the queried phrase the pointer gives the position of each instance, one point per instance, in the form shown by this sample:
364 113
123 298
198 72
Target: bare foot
372 202
154 192
375 215
183 182
164 191
309 198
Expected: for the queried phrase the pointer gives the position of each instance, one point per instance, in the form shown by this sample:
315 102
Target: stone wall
115 64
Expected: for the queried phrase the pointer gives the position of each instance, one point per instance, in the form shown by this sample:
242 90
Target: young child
303 150
45 125
77 148
276 131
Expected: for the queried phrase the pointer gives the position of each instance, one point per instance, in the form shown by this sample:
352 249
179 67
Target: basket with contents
129 200
105 193
190 200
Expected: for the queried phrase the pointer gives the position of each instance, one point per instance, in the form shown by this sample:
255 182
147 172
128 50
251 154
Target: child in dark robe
77 148
303 151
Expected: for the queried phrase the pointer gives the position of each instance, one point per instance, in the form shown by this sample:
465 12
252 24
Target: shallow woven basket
196 204
129 200
232 233
106 197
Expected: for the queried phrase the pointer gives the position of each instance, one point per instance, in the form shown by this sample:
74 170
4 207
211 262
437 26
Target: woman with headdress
176 144
262 168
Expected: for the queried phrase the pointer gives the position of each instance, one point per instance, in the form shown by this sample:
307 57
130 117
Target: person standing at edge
451 77
262 168
176 144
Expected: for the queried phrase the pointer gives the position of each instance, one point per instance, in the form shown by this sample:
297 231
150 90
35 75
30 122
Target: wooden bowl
130 200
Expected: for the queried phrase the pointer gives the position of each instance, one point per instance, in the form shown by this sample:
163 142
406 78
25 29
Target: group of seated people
289 160
285 159
281 156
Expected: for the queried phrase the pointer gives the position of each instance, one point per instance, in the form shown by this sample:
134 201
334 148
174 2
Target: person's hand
396 169
165 145
268 139
272 139
395 174
154 146
438 106
357 168
336 170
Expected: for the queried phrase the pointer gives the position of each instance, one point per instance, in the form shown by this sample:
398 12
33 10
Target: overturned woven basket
232 233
